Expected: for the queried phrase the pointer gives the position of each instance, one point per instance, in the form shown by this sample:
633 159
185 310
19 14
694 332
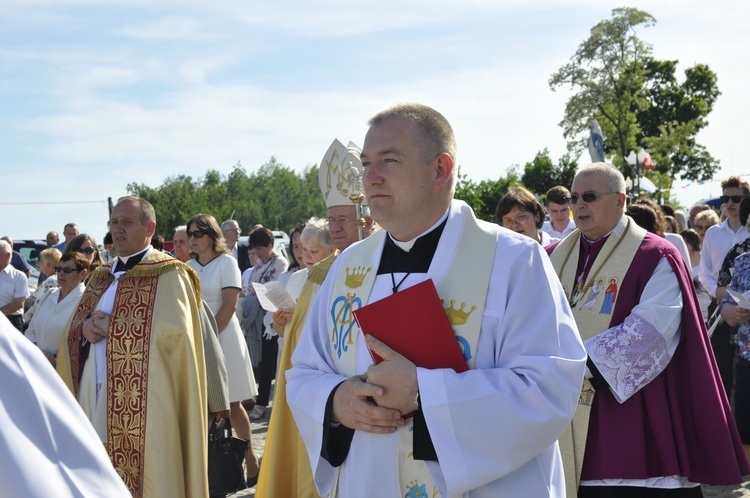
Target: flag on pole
596 142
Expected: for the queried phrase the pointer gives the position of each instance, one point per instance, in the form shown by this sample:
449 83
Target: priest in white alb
397 429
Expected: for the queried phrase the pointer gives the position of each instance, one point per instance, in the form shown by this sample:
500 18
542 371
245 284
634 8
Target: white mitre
339 165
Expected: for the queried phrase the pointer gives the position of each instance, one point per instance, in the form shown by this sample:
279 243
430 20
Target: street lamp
641 159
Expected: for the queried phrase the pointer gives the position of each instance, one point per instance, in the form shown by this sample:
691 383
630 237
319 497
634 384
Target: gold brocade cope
286 467
593 314
155 380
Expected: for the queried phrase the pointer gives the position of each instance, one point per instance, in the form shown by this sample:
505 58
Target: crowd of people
583 322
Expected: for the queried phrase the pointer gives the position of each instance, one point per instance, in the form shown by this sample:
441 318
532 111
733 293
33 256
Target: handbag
714 321
226 454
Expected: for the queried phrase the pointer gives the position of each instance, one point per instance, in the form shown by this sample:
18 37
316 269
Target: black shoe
252 481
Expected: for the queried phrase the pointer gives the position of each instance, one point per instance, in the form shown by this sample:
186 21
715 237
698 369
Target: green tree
637 99
483 196
542 174
607 83
274 196
675 115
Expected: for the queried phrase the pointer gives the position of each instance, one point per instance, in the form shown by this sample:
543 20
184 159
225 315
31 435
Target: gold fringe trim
155 268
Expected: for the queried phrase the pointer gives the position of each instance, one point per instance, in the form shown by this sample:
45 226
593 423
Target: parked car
31 249
280 243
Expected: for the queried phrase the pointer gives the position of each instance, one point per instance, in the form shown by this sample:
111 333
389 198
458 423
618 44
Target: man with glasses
717 242
231 231
52 239
134 358
14 287
650 387
557 202
285 470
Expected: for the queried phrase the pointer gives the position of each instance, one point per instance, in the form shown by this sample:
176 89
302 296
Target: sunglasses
589 196
196 234
734 198
65 269
702 227
88 250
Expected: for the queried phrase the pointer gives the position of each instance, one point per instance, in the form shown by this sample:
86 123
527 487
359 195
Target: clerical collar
125 263
406 246
618 230
416 260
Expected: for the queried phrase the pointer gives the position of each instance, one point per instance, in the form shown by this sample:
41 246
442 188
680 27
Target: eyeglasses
196 234
518 220
238 230
65 269
734 198
89 250
589 196
340 221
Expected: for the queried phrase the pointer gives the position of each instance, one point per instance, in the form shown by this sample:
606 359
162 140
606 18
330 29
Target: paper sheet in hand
273 296
742 300
413 323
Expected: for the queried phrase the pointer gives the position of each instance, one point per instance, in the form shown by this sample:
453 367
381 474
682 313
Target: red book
413 323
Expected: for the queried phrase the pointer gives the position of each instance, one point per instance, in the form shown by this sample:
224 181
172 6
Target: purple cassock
678 424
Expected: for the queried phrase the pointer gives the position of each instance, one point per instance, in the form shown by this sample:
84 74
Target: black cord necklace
417 264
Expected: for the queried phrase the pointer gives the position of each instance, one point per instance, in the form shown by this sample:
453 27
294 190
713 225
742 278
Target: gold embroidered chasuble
286 467
462 288
155 382
592 310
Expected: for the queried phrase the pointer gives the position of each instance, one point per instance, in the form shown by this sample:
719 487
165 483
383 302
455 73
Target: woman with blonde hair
220 288
48 260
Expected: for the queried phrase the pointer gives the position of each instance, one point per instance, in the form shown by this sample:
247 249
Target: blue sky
96 94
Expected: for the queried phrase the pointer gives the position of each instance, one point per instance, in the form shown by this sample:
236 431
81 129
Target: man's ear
443 165
151 228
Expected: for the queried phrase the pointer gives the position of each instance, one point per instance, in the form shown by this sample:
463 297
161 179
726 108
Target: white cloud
167 28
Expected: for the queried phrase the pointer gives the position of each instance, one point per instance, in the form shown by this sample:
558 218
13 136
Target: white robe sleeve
49 447
707 274
632 354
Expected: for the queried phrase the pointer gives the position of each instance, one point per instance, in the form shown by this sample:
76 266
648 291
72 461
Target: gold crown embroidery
457 316
356 277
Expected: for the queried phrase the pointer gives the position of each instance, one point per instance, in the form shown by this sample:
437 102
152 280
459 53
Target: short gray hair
317 229
613 176
435 132
225 224
180 228
147 210
5 248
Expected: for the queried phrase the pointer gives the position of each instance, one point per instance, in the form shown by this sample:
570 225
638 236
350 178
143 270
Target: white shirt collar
406 246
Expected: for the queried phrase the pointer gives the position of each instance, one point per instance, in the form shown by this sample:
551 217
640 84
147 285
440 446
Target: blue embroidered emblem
465 347
416 490
343 321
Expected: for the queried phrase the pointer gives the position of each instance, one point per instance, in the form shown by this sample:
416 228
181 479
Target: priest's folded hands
375 402
95 327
